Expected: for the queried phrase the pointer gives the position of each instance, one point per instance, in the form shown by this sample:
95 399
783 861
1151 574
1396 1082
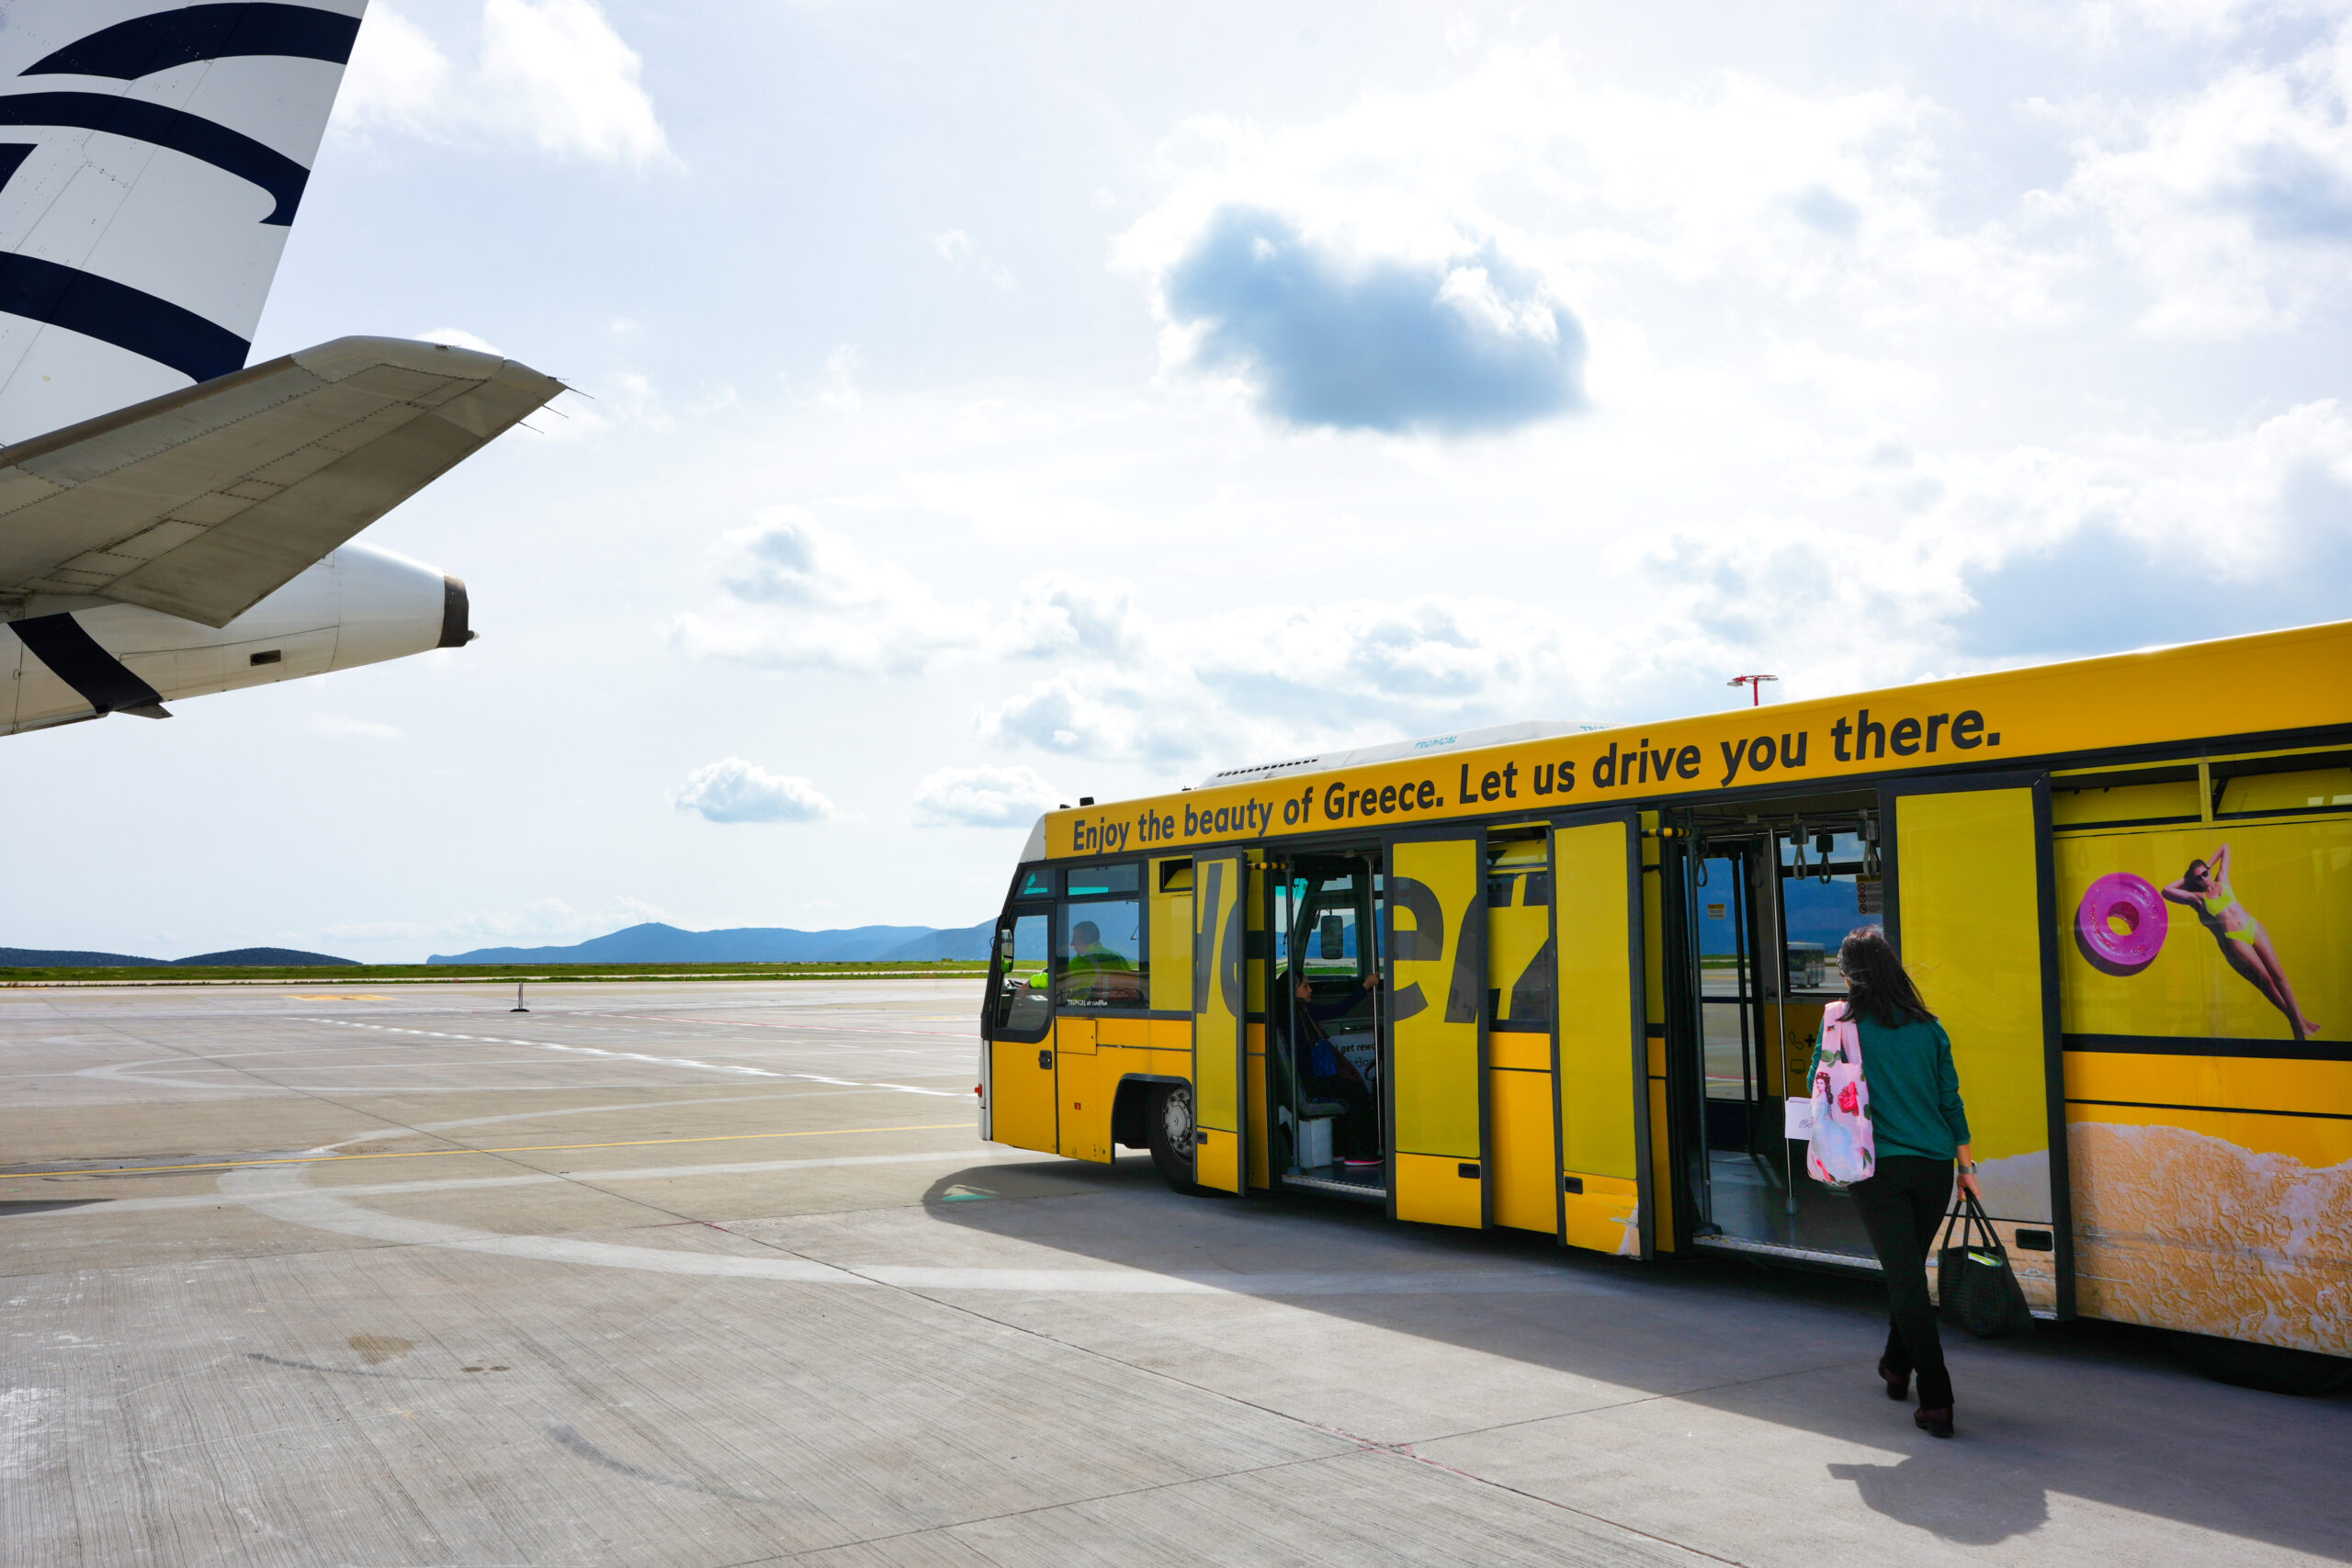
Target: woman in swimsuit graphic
2205 888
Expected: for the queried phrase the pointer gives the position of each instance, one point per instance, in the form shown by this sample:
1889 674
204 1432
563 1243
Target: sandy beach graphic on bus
2202 1206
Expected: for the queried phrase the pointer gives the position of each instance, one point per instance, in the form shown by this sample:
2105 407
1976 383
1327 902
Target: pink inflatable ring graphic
2122 922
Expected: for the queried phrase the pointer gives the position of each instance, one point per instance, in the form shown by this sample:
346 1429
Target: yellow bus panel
1433 1189
1522 1049
1216 1161
1020 1094
1518 1120
1969 878
1434 1033
2243 1083
1085 1083
1597 1096
1604 1215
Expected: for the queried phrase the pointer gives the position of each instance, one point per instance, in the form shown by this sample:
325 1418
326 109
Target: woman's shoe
1935 1423
1898 1385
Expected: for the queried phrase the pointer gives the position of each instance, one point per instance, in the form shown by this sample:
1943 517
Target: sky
979 407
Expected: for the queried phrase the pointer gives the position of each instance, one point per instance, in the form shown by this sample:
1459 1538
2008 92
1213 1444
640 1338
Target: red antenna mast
1754 685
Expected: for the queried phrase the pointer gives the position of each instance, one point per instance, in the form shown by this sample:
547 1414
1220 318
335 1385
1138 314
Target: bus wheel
1172 1135
2270 1368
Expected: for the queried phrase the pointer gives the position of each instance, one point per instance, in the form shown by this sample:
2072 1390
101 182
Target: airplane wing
201 503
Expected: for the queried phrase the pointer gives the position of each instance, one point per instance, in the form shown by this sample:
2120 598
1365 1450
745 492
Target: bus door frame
1684 1037
1472 932
1286 865
1046 1043
1220 938
2062 1217
1644 1232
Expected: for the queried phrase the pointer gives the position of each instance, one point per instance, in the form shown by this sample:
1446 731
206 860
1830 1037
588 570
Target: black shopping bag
1976 1288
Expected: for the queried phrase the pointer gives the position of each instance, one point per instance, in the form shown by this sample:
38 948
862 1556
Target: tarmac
722 1274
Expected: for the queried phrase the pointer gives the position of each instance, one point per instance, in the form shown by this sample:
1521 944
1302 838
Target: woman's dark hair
2198 869
1876 987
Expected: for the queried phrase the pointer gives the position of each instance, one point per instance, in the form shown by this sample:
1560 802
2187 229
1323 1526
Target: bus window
1099 960
1828 884
1518 935
1726 995
1097 881
1330 931
1023 998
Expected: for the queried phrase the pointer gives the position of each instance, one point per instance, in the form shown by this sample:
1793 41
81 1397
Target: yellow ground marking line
516 1149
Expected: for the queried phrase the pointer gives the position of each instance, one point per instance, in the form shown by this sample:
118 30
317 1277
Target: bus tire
2273 1368
1172 1134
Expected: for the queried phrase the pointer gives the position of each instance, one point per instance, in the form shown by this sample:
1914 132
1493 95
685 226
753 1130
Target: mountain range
235 958
654 942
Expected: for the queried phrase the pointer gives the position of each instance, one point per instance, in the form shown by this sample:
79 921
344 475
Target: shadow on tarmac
2100 1411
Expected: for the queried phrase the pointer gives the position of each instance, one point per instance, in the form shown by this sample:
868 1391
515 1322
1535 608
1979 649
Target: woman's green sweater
1915 1090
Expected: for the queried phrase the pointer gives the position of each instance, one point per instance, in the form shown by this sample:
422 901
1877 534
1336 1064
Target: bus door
1323 1126
1603 1046
1018 1096
1973 917
1523 1096
1220 887
1436 987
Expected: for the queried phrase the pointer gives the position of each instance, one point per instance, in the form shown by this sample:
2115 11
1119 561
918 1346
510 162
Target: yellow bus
1562 979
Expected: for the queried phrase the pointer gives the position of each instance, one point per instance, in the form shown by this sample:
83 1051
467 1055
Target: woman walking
1918 1126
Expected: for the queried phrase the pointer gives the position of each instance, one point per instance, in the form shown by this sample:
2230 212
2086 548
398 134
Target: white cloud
1594 194
1059 613
799 596
552 74
986 797
2103 542
2233 203
1278 678
733 790
956 248
569 81
338 724
841 393
541 922
1377 344
398 78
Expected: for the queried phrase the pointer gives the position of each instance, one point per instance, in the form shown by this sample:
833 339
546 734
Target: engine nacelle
359 605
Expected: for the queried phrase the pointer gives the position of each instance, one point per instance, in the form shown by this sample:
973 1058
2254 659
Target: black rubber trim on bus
76 658
2212 1045
2218 1109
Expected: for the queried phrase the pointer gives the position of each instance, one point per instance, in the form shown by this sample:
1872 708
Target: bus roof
2278 685
1391 750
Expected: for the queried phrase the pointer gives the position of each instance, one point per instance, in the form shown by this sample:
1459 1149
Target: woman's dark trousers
1903 1208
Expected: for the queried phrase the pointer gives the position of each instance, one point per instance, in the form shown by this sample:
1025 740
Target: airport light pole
1754 685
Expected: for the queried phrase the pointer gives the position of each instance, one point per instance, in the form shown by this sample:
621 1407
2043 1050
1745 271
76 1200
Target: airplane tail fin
153 154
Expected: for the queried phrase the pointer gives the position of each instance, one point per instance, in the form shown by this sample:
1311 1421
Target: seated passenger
1325 1073
1097 974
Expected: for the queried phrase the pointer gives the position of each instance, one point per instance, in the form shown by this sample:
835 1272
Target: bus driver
1098 974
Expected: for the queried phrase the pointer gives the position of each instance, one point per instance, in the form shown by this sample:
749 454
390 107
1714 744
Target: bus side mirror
1331 934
